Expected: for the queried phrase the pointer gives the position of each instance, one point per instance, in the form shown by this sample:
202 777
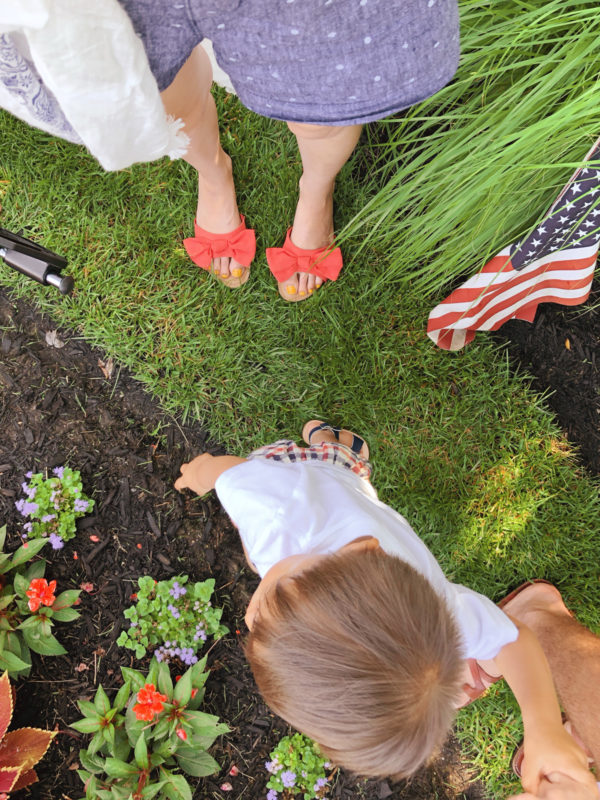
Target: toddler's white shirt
284 509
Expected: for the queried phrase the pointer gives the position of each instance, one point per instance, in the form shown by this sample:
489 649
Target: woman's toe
303 284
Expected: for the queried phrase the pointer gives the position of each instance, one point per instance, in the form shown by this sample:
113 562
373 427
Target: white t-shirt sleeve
484 627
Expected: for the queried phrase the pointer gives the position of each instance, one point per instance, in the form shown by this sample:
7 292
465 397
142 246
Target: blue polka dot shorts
325 62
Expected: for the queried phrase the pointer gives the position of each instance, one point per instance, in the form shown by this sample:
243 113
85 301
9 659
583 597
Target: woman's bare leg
324 150
188 98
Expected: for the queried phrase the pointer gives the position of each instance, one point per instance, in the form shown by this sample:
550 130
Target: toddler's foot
317 431
312 229
218 213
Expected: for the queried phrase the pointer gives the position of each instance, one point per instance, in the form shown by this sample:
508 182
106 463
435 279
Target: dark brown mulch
561 349
57 407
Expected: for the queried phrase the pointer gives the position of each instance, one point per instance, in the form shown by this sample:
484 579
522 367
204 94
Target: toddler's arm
200 474
548 747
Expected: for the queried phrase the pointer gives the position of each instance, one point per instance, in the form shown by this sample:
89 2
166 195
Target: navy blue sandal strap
357 442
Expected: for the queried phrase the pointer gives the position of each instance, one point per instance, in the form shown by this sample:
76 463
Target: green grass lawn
461 446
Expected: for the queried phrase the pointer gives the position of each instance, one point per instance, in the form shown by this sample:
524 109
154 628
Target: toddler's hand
197 475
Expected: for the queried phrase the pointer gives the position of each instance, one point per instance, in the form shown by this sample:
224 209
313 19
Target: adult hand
553 751
558 786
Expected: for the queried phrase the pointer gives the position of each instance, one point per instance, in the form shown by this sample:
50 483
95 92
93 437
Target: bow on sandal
239 244
284 261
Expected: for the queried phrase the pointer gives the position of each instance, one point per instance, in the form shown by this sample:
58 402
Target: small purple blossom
29 474
321 782
59 472
80 505
271 794
272 766
175 611
177 591
27 527
56 542
48 517
288 778
25 508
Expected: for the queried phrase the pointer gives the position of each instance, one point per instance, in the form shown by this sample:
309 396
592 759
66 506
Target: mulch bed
58 407
561 349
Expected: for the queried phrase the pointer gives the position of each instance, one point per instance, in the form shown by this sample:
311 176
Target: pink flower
182 734
40 593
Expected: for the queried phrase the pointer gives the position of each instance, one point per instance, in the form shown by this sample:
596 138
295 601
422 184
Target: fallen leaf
567 344
234 771
86 586
54 340
81 667
226 787
74 765
107 367
94 538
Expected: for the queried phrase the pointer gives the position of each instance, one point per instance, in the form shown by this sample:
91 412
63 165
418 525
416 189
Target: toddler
356 637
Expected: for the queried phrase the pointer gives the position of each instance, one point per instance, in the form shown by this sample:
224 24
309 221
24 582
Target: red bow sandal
324 262
239 244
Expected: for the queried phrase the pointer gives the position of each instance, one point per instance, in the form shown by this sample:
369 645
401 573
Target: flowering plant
146 735
53 505
29 608
297 767
172 619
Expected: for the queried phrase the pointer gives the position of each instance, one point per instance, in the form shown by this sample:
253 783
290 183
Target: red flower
40 593
182 734
150 702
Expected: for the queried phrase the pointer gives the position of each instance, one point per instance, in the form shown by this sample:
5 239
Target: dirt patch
58 407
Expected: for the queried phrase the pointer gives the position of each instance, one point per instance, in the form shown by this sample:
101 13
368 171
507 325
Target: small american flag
553 264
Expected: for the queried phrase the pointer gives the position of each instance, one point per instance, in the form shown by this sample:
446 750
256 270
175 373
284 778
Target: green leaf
152 790
91 762
121 748
108 733
165 684
86 725
96 742
6 600
196 763
36 570
122 696
33 621
135 678
101 701
119 769
183 689
20 584
88 709
175 787
45 646
65 599
2 536
24 553
65 615
9 661
153 672
141 752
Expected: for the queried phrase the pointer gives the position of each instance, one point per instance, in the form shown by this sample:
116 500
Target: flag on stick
553 264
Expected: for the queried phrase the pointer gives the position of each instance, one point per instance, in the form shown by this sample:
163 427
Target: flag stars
576 188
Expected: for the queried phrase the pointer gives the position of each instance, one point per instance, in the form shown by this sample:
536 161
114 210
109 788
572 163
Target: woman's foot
217 212
327 434
312 229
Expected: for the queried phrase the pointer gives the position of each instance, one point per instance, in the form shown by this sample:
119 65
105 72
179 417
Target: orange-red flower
40 593
149 702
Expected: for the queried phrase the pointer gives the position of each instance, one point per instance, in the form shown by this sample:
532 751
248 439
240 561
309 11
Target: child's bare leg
188 98
573 653
312 436
324 150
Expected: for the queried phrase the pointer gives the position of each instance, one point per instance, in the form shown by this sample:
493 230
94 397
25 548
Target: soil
60 405
561 349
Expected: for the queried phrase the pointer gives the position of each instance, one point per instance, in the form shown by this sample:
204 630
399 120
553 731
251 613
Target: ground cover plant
461 446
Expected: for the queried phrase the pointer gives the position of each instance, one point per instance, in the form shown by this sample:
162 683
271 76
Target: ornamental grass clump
172 619
297 767
150 732
53 505
29 608
21 749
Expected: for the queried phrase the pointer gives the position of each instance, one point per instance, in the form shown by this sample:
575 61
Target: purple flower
271 766
321 782
80 505
271 794
176 613
288 778
48 517
27 527
177 591
59 471
25 508
29 474
56 542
